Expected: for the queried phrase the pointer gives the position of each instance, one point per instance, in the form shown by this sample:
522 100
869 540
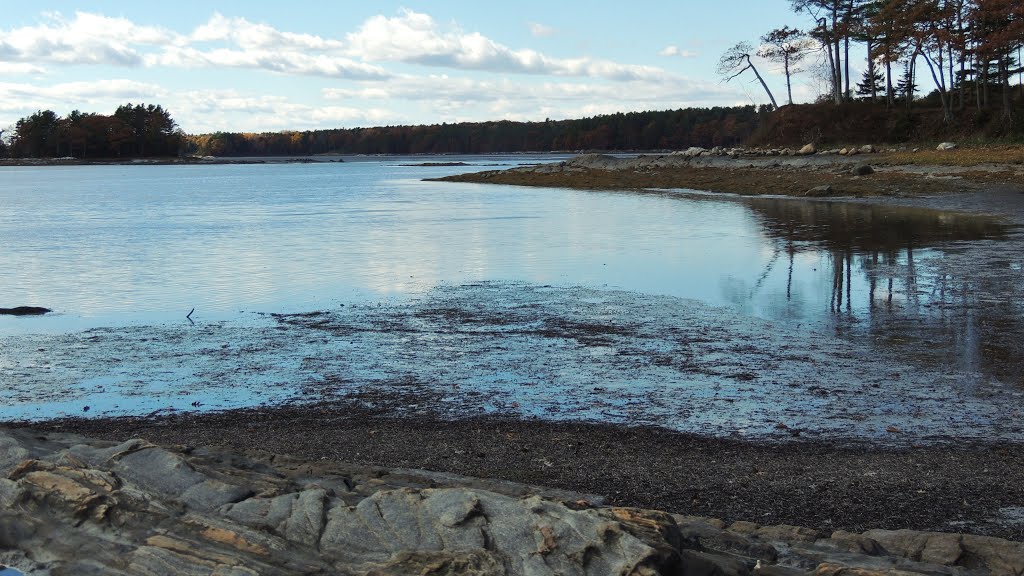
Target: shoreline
962 487
862 175
971 487
71 504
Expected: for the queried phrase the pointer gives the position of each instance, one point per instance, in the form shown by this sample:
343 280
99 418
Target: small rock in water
863 170
24 311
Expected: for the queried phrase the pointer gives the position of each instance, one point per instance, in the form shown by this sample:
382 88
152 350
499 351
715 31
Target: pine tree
871 85
906 88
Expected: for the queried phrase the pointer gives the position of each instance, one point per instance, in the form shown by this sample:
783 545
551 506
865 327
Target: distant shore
853 172
176 161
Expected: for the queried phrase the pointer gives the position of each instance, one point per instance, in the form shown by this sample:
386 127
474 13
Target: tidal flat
849 363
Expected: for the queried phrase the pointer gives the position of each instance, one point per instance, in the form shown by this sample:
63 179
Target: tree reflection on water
940 287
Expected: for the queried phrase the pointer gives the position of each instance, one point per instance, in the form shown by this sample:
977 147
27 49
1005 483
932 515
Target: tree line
970 49
672 129
138 130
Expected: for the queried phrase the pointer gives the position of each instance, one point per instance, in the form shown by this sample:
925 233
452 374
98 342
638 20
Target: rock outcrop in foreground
69 505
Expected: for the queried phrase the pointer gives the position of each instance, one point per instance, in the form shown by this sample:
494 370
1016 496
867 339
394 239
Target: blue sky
269 66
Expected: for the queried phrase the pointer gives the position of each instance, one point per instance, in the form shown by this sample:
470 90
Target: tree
905 87
870 85
36 136
156 133
999 32
832 18
786 46
736 60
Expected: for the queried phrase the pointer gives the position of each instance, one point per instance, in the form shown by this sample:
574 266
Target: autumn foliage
132 131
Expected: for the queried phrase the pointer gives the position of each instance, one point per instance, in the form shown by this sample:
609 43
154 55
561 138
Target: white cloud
473 99
540 30
676 51
414 37
85 39
212 110
444 87
79 91
248 35
221 41
286 62
20 68
18 100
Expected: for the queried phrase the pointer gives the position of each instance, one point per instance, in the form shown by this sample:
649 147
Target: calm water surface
107 245
110 246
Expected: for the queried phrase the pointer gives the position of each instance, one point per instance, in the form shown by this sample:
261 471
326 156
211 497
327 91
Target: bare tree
786 46
736 61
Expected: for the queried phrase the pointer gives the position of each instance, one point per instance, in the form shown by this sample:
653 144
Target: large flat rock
70 505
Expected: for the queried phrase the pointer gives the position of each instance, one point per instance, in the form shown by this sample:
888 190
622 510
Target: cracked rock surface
70 505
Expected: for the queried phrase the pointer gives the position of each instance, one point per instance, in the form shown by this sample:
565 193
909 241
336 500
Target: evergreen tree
906 87
871 84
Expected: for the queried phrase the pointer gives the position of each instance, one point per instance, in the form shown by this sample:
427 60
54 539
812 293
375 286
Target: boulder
946 146
867 149
862 170
844 152
819 191
808 149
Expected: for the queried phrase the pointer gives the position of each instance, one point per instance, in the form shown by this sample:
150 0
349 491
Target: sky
258 66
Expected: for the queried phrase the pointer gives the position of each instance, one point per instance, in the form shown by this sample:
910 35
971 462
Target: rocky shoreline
959 487
342 487
72 505
855 172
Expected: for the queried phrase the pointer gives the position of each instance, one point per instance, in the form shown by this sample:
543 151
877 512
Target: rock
844 152
76 506
946 146
598 161
819 191
835 569
691 152
706 536
1001 557
867 149
136 508
705 564
856 543
24 311
788 534
862 170
808 149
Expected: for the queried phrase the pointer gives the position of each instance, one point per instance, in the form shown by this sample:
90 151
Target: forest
969 50
132 131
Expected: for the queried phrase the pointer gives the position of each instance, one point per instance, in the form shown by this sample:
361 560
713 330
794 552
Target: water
108 245
123 253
